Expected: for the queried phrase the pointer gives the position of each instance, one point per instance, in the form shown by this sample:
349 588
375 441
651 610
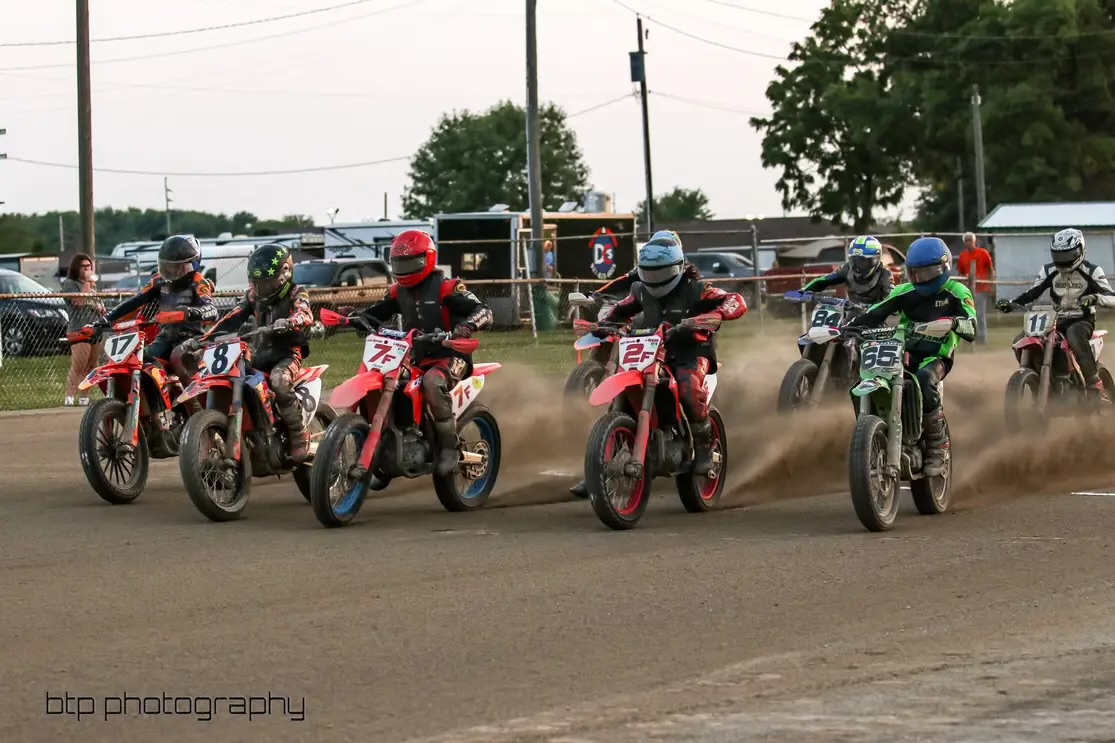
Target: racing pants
439 378
694 397
282 367
168 352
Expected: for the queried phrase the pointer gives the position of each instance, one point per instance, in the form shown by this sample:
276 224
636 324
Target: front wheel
699 494
931 494
322 418
470 485
1021 401
117 472
618 499
874 492
219 489
585 378
797 385
335 494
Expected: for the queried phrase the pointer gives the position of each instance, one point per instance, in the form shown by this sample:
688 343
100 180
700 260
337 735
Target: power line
770 13
702 39
708 104
291 171
184 32
225 45
599 106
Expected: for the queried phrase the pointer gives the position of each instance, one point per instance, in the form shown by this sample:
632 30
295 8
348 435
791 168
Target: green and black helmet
270 270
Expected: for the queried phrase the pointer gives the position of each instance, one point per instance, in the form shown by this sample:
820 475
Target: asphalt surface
530 621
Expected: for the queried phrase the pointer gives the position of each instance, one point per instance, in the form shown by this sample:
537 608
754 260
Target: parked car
31 325
724 266
818 258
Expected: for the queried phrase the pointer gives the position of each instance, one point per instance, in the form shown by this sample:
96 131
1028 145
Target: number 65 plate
881 357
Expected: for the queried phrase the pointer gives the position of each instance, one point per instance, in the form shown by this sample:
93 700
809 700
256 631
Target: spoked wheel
797 386
218 488
931 494
335 493
316 430
698 493
469 487
874 492
585 378
1021 401
618 499
117 472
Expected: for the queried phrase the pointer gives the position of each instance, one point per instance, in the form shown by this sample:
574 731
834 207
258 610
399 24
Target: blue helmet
928 264
661 261
865 255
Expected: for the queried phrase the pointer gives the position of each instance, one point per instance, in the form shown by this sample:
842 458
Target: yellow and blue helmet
865 256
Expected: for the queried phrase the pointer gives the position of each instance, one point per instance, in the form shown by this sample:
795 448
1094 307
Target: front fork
642 428
368 451
894 427
1046 374
131 426
233 449
818 390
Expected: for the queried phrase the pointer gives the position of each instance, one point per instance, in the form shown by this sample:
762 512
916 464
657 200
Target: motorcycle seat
309 372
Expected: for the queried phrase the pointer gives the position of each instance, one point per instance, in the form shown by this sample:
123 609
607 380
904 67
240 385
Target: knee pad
281 382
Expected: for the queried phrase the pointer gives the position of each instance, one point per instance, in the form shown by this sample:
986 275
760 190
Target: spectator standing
975 263
549 260
81 279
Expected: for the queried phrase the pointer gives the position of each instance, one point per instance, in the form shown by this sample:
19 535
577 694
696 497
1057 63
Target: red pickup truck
816 259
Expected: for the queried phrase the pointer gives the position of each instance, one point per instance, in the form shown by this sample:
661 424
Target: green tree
472 161
679 205
840 141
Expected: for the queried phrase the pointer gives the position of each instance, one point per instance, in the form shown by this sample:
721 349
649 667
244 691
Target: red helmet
413 257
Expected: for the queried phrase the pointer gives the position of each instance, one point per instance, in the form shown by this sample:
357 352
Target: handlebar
803 297
1060 314
329 318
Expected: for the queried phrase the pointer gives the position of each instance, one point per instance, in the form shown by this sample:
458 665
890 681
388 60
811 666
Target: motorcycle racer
1072 282
623 284
931 294
176 286
429 301
863 273
273 299
667 291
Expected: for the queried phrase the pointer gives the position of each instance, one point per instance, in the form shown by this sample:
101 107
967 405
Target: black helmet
179 257
270 270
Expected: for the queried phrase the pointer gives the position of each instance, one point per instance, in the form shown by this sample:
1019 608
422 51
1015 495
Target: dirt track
782 620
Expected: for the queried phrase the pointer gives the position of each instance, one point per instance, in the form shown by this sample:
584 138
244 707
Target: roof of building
1050 216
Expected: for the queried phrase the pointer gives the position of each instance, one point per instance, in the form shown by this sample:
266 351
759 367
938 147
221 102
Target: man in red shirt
975 258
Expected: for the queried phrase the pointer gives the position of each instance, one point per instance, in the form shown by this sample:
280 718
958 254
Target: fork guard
870 386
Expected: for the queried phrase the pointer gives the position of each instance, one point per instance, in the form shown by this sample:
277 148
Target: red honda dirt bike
138 417
216 466
645 434
385 435
601 361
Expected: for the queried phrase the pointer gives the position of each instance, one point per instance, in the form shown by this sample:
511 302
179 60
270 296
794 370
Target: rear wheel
322 418
699 494
874 492
469 486
335 494
931 494
618 499
217 487
1021 401
585 378
797 385
117 472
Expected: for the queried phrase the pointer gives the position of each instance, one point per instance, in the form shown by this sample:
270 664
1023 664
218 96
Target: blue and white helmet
661 262
865 255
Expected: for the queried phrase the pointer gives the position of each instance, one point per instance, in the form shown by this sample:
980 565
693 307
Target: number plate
1037 323
220 359
120 347
881 357
824 318
309 395
636 354
384 354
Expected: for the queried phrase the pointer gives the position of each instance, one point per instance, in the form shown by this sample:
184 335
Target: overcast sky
367 83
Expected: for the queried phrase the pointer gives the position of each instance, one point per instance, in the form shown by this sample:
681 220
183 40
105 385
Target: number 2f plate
636 354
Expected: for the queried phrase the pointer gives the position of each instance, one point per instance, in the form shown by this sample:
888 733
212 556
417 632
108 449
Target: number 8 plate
221 358
881 357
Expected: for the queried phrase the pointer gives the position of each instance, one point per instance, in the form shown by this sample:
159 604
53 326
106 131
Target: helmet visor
862 265
407 264
925 274
1065 258
174 271
269 286
659 275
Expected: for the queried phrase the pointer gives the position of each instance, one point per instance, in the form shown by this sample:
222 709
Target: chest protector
672 308
870 290
421 306
171 299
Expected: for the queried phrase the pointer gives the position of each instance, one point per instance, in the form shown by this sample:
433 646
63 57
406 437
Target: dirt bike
825 353
645 434
1047 368
217 468
137 419
385 435
601 362
886 446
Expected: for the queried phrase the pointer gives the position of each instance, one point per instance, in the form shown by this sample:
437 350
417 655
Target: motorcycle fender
586 342
348 395
710 384
1027 343
99 377
159 377
198 386
607 390
870 386
804 341
1096 343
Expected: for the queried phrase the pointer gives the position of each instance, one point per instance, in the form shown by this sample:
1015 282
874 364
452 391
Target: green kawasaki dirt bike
886 447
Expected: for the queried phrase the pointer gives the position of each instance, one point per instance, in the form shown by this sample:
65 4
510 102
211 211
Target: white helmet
1067 249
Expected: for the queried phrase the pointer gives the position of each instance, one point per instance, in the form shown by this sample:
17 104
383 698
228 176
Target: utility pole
534 135
639 75
61 236
3 155
977 135
86 236
166 196
960 194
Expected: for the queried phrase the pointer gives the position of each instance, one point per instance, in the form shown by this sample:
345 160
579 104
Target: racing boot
1098 393
580 489
702 448
296 432
446 457
936 444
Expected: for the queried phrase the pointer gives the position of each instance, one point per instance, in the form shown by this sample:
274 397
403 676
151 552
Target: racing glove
1088 300
282 325
462 331
190 345
1003 305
